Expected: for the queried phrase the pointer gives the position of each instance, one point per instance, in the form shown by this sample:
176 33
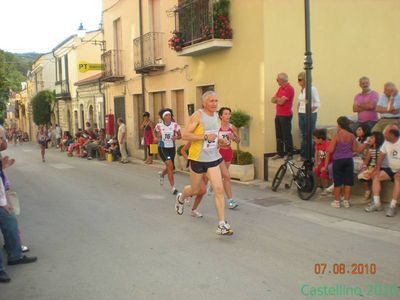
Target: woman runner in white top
42 139
167 132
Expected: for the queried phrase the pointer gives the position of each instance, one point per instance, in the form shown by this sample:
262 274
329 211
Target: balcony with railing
201 26
150 46
112 66
62 90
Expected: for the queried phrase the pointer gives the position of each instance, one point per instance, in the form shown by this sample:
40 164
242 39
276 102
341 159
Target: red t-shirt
286 108
321 150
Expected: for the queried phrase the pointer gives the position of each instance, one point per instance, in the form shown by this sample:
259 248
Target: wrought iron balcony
201 26
152 52
62 89
112 66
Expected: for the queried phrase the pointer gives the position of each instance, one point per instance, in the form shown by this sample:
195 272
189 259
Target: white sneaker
195 213
224 229
330 188
335 204
174 191
179 205
346 203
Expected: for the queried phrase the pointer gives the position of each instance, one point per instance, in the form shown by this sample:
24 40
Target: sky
40 25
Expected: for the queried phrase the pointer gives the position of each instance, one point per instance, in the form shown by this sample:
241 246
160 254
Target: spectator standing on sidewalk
391 151
148 128
283 99
122 140
364 105
301 108
342 147
58 135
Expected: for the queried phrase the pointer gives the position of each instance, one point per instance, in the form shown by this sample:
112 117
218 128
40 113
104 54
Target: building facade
142 73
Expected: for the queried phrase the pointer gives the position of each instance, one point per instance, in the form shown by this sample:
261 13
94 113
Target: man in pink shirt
365 105
283 119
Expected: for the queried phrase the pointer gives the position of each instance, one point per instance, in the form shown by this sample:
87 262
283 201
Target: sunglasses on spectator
300 79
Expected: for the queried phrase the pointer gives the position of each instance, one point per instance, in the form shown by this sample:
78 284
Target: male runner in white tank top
204 158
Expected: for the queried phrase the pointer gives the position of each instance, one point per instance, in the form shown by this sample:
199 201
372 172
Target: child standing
342 147
321 159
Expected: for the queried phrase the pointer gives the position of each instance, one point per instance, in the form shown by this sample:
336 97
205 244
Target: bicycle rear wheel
306 183
278 177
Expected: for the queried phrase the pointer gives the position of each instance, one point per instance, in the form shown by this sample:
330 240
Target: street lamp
308 65
82 33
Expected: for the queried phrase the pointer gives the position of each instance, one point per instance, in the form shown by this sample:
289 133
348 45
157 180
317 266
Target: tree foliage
41 107
13 70
239 119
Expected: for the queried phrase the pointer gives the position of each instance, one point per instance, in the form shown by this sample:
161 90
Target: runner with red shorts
226 134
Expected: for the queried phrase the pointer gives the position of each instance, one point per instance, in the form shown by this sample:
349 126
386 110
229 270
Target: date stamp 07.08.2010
389 291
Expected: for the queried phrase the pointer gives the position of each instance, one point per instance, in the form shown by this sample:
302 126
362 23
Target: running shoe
335 204
195 213
174 191
224 229
391 211
160 173
373 207
346 203
232 204
179 206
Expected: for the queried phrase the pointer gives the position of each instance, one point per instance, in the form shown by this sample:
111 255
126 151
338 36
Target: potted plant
242 166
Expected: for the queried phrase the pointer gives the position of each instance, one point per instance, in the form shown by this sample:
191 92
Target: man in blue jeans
9 225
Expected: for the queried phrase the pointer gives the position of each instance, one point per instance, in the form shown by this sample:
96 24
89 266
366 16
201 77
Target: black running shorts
201 167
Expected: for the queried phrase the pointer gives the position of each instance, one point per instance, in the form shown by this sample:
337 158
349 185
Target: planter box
205 47
242 172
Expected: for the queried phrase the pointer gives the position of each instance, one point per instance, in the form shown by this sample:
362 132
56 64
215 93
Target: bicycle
302 176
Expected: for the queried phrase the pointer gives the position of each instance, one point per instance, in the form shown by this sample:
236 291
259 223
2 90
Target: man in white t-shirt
390 152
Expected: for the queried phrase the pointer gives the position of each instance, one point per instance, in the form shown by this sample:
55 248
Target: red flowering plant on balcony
177 41
222 28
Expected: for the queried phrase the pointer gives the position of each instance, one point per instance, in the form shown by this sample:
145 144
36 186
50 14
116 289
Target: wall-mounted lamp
82 33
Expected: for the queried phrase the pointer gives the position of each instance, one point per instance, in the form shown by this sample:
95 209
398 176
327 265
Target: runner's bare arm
187 133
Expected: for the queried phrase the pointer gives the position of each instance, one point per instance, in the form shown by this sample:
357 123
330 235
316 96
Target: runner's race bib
210 145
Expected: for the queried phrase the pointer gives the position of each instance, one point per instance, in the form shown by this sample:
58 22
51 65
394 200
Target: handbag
153 148
12 198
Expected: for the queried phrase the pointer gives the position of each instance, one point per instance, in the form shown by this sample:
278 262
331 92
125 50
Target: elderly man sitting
389 107
390 171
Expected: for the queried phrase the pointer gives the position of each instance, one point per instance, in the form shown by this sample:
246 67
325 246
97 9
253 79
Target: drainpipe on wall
142 63
58 109
104 103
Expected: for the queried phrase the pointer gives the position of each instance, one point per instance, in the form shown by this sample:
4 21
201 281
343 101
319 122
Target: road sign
84 66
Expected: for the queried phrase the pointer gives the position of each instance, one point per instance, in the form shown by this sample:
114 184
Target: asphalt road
109 231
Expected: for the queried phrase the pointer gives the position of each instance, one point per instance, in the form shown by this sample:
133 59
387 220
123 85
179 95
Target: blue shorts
343 172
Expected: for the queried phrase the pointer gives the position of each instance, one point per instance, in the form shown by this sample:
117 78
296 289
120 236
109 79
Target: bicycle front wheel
306 184
278 177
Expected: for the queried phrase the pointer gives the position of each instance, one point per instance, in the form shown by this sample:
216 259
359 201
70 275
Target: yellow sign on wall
84 66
